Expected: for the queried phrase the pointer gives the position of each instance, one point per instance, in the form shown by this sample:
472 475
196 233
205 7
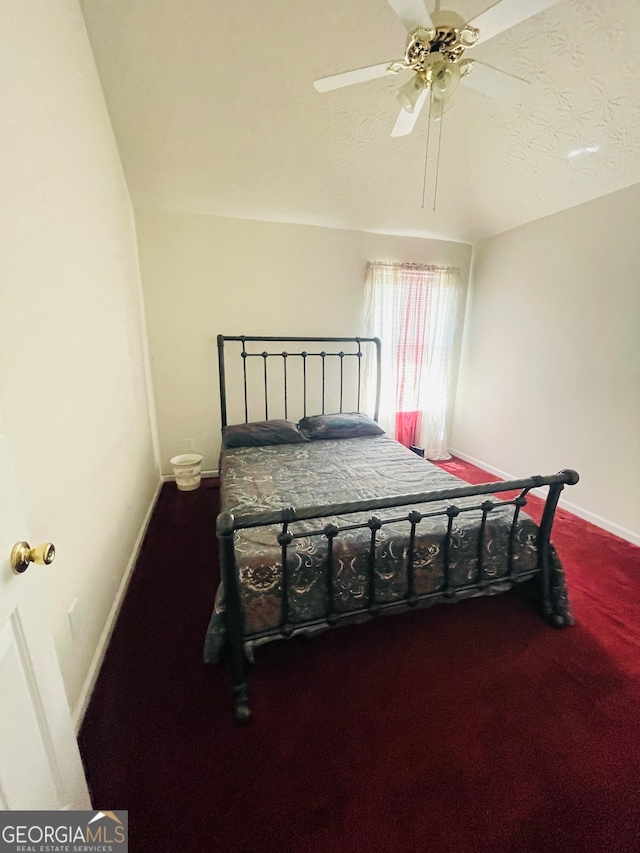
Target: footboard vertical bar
414 518
487 506
284 539
266 395
323 355
244 381
341 356
233 615
374 524
519 502
452 512
330 531
284 371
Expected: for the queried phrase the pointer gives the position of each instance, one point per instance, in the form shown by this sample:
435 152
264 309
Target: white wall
73 390
206 275
550 373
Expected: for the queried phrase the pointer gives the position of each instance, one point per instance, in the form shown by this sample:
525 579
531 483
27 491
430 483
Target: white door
40 766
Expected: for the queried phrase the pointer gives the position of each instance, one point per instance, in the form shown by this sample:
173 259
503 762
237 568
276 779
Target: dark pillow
261 433
344 425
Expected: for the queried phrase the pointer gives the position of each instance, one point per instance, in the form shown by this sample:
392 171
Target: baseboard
592 518
105 637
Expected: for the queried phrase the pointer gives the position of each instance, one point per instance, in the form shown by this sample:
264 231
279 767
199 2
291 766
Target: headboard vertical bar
323 355
304 384
244 377
284 370
221 377
341 356
359 358
266 395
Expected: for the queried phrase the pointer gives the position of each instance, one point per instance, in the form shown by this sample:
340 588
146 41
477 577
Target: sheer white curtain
414 310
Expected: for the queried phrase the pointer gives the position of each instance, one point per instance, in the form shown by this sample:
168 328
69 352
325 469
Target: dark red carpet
468 727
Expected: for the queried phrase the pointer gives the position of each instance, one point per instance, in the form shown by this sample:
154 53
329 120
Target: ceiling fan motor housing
449 38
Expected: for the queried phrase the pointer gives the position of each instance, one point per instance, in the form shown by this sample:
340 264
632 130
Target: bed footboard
545 577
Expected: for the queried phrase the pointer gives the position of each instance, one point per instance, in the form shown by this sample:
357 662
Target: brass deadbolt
23 554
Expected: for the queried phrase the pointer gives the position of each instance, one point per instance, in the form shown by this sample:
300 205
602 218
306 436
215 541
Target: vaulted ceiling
215 112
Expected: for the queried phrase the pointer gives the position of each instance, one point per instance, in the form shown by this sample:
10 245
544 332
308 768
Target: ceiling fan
435 53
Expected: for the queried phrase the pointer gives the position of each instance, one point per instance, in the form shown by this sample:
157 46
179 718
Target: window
414 310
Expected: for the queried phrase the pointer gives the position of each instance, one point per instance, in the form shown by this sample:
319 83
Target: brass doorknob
23 554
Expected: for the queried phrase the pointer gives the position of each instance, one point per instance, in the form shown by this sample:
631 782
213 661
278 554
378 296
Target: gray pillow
261 434
343 425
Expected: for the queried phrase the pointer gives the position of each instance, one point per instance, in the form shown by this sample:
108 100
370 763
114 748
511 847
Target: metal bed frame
552 596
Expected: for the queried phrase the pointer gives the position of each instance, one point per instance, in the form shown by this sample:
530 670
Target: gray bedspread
335 472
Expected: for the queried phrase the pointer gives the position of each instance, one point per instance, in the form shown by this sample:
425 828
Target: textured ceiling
214 111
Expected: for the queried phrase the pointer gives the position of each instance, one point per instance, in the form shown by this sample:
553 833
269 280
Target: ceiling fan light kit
408 95
445 79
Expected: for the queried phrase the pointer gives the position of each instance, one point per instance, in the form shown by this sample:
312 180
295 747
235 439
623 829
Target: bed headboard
291 377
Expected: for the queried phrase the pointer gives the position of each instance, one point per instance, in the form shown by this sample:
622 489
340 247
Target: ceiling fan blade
506 14
406 121
412 13
497 84
348 78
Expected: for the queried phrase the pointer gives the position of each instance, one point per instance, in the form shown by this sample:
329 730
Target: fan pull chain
435 188
426 154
